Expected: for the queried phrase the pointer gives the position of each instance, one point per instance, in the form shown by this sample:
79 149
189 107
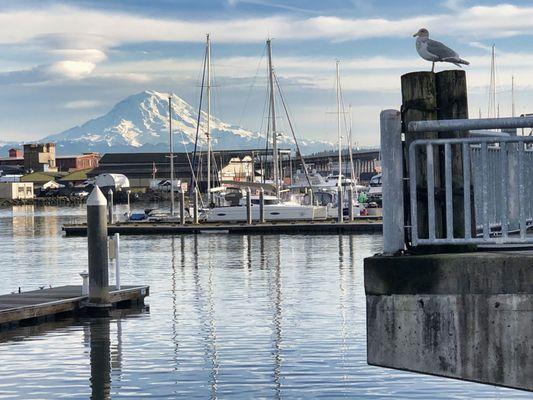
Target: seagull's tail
456 60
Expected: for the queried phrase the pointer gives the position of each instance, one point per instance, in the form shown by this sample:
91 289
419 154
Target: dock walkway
148 228
41 304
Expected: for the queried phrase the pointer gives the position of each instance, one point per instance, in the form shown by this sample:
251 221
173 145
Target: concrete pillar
110 207
262 205
182 206
392 178
248 206
97 247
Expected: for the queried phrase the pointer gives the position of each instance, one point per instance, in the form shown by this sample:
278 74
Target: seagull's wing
440 50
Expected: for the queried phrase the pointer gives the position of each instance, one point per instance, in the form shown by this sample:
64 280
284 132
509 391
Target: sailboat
231 201
337 184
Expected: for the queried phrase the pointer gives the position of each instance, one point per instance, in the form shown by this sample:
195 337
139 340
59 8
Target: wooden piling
452 103
419 103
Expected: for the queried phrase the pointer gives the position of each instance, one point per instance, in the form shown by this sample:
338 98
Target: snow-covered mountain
140 123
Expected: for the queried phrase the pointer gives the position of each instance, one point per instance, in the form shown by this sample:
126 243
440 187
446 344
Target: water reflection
100 359
233 317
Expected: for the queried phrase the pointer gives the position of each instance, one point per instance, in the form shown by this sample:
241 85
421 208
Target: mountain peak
141 121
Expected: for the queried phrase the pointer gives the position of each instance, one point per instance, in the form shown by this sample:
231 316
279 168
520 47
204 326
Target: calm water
229 317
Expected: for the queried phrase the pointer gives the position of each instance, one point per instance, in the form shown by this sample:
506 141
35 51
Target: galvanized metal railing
497 173
495 168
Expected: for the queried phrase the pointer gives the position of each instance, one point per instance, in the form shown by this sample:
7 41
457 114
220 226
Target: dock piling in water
98 252
339 204
110 207
182 206
195 205
248 206
350 202
262 205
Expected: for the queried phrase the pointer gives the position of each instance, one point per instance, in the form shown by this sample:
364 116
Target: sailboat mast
350 148
208 133
512 97
273 114
339 122
171 155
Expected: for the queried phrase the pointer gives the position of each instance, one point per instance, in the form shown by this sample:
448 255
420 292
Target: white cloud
103 29
82 104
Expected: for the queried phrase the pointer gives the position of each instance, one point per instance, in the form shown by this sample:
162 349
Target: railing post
262 205
392 179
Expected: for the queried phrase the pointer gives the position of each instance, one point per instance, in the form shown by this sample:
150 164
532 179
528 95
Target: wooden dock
37 305
311 227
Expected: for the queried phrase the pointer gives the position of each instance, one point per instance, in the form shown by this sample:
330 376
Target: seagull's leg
433 67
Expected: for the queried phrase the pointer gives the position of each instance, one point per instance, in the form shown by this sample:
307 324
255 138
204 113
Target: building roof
135 165
42 176
79 175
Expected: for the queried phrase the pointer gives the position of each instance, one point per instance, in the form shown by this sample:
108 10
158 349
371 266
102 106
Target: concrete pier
467 315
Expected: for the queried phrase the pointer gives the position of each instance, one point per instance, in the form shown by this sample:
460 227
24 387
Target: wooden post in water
98 252
419 103
452 103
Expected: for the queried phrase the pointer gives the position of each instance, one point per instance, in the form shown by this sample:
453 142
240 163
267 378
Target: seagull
434 51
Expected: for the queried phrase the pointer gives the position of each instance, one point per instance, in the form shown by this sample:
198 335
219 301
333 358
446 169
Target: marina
214 201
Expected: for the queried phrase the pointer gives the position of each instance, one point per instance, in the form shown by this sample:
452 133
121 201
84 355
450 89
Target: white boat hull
275 212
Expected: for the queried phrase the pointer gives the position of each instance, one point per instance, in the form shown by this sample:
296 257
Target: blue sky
64 62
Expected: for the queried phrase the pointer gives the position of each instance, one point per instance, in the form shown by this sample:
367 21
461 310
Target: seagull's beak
415 35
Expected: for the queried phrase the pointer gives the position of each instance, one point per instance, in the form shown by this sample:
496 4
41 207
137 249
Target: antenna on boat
208 131
171 155
273 115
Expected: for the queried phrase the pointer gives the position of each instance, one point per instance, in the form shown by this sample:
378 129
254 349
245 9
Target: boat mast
339 122
512 97
208 132
492 87
350 148
171 155
273 114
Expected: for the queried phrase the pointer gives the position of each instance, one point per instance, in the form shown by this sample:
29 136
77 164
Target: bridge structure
452 292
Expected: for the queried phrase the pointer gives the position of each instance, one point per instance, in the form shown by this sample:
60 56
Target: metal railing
497 172
494 178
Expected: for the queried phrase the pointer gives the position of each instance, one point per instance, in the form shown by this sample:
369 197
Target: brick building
77 162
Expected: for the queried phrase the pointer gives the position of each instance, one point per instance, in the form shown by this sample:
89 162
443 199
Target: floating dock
40 305
311 227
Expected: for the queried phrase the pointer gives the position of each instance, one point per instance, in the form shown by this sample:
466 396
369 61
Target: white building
16 190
